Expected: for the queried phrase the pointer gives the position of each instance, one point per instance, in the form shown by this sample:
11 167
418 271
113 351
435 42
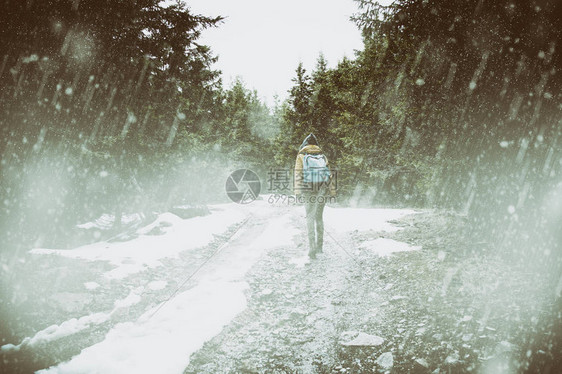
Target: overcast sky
263 41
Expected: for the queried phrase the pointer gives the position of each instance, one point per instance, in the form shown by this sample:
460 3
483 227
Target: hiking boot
312 252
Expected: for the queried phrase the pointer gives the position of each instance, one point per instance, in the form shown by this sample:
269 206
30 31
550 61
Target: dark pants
314 206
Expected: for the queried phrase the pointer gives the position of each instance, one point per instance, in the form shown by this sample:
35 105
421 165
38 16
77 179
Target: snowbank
75 325
146 250
162 340
106 221
162 343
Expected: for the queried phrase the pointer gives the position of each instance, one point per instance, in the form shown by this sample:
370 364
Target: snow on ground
361 219
91 285
385 247
75 325
162 343
105 221
132 299
345 220
164 337
300 261
157 285
146 250
162 340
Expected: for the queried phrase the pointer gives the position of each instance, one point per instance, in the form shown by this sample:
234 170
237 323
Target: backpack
315 168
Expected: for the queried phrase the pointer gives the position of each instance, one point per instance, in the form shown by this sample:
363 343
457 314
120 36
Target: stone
422 362
360 339
386 360
453 358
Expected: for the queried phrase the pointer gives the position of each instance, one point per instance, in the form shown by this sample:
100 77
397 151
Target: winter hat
309 140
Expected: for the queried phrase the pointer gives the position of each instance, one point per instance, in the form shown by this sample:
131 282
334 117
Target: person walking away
313 186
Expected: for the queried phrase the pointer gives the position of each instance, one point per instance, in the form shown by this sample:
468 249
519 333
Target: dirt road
394 291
